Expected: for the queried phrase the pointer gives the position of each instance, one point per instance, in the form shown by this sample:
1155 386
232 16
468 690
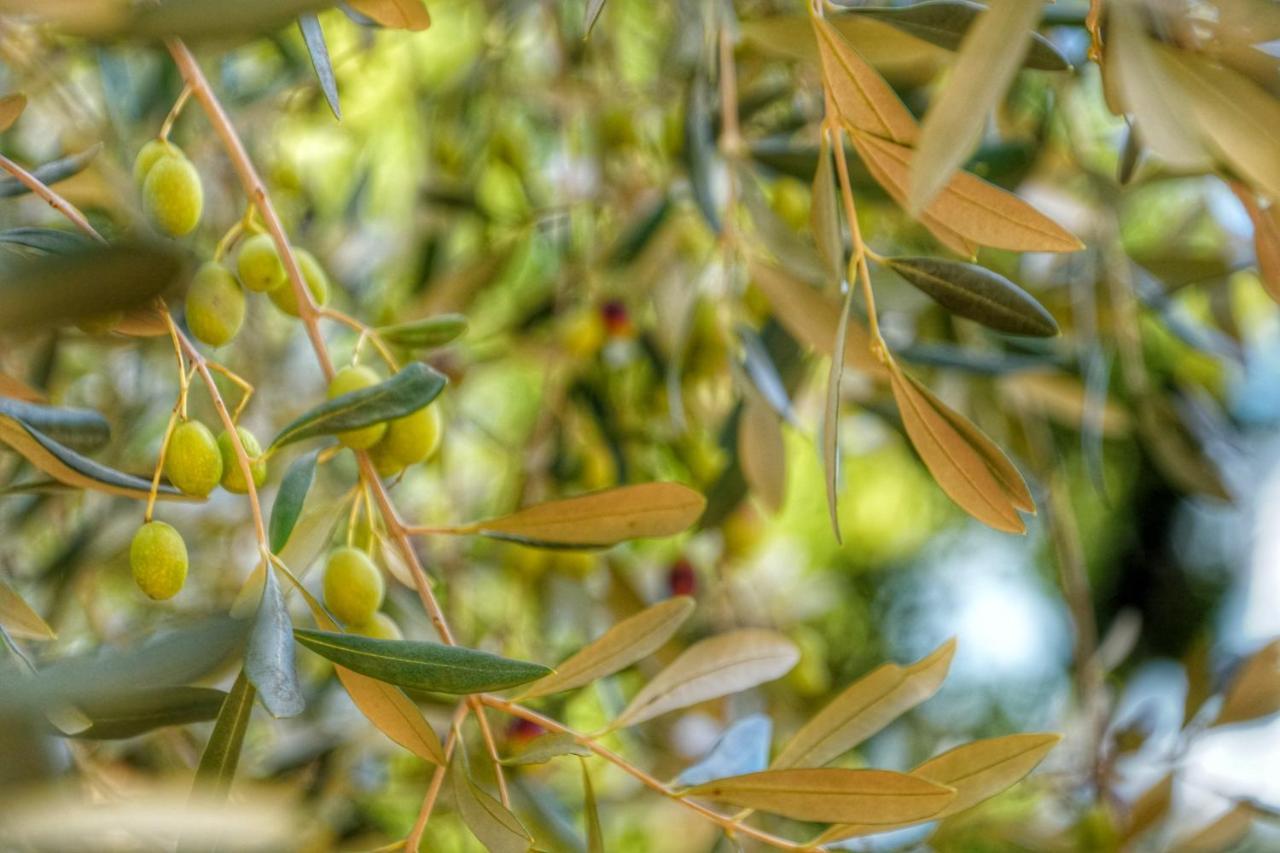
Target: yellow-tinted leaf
595 834
902 58
1063 398
11 106
600 519
717 666
12 386
1266 238
866 707
490 821
1151 805
762 452
831 418
968 208
622 645
832 795
1221 834
812 318
862 97
394 14
1238 118
943 438
824 218
19 619
1255 690
992 51
975 771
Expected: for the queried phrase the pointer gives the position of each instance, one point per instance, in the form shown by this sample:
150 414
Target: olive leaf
742 748
1254 690
490 821
599 519
15 389
148 708
764 373
591 14
978 294
221 753
268 661
426 333
81 429
412 388
824 218
945 23
831 418
1223 833
591 813
394 14
976 771
51 173
11 107
862 97
45 240
193 19
313 37
762 452
66 466
717 666
19 618
864 708
542 749
832 794
1266 239
1149 807
290 499
421 665
700 152
623 644
51 289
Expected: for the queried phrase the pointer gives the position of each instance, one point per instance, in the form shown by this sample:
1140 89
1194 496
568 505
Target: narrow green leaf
425 333
700 155
591 15
52 289
591 811
978 294
543 749
490 821
189 19
290 499
764 373
268 662
421 665
45 240
19 618
222 753
149 708
51 172
81 429
831 418
409 390
638 234
945 22
313 35
824 218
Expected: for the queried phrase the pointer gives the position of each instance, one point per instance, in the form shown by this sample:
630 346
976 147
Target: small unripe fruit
409 440
313 275
158 558
149 155
681 578
215 304
100 324
192 462
380 627
172 195
259 264
232 476
353 586
349 379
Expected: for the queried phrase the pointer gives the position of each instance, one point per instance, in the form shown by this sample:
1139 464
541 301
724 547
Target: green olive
408 441
380 627
100 324
158 558
232 476
353 586
148 155
354 378
192 461
172 195
259 264
215 304
316 280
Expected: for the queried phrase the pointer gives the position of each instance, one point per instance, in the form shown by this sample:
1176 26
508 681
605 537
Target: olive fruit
353 378
380 627
215 304
192 462
158 558
100 324
172 195
259 264
232 476
314 276
408 441
353 586
148 155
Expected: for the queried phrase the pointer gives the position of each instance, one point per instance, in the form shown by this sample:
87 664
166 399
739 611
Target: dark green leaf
425 333
421 665
222 753
290 499
1129 154
976 293
595 833
637 235
313 35
132 714
944 23
764 374
83 429
45 240
268 662
700 154
52 289
51 172
68 467
409 390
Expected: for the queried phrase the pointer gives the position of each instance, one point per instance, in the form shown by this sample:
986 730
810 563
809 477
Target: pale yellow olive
354 378
232 476
259 264
215 304
158 559
173 196
192 461
353 586
317 281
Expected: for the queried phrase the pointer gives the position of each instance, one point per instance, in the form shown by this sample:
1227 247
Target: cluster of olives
195 463
396 444
353 592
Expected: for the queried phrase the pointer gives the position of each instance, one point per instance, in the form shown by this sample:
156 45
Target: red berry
521 730
616 320
681 578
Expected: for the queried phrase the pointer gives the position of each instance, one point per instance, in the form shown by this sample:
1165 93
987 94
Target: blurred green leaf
426 333
82 429
149 708
51 172
290 499
313 36
268 661
978 294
